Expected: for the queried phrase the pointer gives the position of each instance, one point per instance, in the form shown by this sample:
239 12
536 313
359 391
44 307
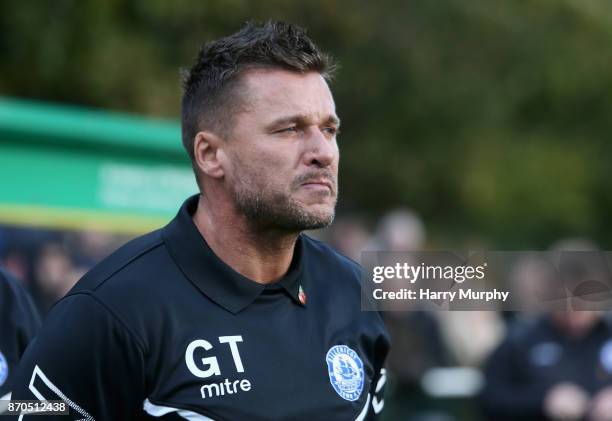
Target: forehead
274 92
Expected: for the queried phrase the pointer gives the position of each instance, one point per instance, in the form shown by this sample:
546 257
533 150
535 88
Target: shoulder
323 254
338 281
138 253
129 284
117 293
332 273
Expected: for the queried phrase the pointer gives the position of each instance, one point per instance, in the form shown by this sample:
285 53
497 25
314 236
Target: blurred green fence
68 167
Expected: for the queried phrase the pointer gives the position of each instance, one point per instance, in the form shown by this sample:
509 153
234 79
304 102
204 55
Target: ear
208 151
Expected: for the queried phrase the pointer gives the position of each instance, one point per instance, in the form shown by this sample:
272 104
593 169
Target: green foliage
489 118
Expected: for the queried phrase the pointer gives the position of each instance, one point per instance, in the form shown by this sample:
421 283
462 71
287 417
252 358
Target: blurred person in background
349 235
89 246
19 249
471 335
48 262
555 367
54 274
399 230
16 262
531 280
425 340
417 341
19 322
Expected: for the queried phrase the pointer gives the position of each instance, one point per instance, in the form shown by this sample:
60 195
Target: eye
332 131
291 129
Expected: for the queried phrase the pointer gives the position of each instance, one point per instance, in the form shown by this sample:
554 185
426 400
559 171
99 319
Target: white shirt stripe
364 411
4 405
159 410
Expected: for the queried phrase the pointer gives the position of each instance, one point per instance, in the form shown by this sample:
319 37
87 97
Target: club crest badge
4 369
345 370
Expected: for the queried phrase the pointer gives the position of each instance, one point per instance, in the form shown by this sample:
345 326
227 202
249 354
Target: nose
321 151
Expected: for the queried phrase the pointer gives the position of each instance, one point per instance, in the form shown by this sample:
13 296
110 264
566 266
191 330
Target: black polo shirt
163 329
19 322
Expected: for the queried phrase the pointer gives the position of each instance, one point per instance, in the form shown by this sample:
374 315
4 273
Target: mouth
318 184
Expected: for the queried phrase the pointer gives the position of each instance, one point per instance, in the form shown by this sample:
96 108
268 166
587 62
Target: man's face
283 155
576 323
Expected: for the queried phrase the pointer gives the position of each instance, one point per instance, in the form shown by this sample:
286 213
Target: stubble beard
269 209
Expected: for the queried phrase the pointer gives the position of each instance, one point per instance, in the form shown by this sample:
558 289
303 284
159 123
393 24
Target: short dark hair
208 96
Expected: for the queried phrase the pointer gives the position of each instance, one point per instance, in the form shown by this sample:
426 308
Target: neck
263 256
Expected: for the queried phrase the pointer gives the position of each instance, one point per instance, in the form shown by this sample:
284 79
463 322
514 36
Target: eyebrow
301 118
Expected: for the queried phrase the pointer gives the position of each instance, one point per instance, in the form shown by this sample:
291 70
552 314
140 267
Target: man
556 367
19 322
229 312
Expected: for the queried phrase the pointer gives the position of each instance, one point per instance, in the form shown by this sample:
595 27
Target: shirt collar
217 280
